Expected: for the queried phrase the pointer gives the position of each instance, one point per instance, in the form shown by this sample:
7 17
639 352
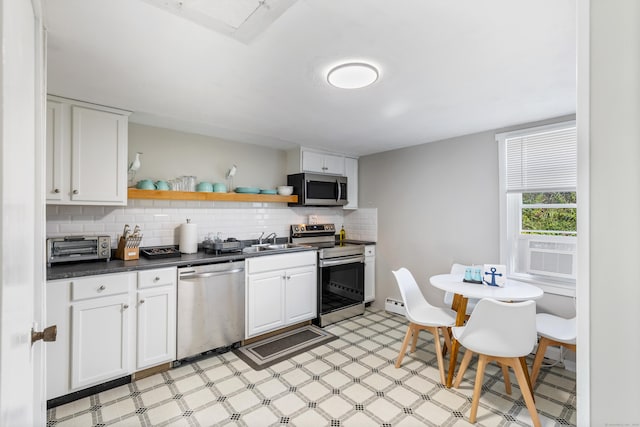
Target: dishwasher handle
187 276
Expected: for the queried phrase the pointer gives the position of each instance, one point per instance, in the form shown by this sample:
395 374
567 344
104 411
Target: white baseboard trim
394 306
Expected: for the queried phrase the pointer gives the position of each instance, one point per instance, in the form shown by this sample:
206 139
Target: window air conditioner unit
552 258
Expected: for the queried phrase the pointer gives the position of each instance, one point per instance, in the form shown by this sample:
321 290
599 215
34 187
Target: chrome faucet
271 236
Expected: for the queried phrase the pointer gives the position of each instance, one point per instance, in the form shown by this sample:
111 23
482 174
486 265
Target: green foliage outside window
557 220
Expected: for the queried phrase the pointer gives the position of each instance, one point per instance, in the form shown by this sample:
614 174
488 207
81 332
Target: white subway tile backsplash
160 220
70 228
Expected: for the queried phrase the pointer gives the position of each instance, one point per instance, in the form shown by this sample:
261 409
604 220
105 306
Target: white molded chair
422 315
501 332
553 330
448 296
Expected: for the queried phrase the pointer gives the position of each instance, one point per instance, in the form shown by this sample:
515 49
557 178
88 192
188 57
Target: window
538 174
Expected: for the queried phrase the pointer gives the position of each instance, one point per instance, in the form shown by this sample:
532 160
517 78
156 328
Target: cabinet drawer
280 262
369 250
159 277
99 286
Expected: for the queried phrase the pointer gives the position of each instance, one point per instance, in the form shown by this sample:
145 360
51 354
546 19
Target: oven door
340 283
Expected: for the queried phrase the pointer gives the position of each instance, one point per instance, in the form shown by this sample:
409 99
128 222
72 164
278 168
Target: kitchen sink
283 246
266 248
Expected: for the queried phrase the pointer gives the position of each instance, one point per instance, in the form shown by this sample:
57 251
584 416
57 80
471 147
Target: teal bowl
162 185
219 188
146 184
204 187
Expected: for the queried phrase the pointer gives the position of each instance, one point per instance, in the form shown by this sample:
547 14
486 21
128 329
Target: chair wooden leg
447 339
436 340
463 367
537 362
507 380
405 343
477 388
416 332
525 369
522 375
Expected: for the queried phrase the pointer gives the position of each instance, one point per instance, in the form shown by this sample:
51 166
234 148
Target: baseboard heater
394 306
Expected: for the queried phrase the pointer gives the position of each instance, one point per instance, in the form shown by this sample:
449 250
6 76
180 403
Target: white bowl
285 190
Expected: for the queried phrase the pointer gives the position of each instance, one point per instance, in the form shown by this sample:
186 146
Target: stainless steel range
340 272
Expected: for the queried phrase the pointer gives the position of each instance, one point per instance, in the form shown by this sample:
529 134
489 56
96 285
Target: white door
22 258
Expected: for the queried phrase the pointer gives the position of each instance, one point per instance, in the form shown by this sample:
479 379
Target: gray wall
168 154
612 79
438 204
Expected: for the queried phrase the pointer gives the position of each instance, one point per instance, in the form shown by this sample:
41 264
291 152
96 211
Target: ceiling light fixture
354 75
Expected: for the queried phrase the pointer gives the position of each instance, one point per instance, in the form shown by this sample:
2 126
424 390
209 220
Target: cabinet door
100 340
55 151
333 164
300 294
156 326
351 172
99 157
313 162
369 273
265 302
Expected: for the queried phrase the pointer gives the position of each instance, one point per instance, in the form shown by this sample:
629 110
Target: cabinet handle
141 301
102 288
75 191
288 277
56 190
156 279
125 306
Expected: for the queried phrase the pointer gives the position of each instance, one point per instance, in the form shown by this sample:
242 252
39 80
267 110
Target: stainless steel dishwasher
210 307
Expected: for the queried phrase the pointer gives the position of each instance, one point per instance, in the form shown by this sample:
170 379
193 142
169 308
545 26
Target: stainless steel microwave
314 189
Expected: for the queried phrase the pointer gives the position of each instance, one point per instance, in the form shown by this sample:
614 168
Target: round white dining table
512 290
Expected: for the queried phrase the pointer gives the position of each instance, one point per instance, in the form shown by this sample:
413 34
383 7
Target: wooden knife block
125 253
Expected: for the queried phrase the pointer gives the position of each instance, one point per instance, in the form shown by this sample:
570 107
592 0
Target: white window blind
542 162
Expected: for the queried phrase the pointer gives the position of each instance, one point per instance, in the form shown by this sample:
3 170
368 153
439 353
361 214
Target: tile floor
350 381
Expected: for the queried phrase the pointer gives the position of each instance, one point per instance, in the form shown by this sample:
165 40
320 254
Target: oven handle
340 261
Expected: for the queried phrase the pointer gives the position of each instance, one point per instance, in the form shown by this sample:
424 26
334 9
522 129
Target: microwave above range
314 189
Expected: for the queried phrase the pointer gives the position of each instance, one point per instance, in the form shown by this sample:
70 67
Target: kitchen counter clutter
70 270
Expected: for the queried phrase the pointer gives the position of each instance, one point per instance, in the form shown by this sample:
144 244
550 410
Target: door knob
49 334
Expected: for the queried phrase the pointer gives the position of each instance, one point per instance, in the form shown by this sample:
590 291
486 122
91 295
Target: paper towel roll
188 238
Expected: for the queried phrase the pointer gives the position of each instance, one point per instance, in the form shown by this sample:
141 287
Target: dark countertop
90 268
356 242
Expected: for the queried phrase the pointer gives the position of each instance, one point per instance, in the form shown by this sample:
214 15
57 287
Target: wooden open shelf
135 193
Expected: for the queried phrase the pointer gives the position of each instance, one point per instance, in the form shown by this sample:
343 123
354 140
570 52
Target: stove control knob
103 244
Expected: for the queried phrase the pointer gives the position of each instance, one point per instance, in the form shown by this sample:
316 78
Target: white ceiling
256 73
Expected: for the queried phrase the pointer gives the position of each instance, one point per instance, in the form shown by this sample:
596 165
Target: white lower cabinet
99 340
156 326
369 273
300 294
265 302
280 290
109 326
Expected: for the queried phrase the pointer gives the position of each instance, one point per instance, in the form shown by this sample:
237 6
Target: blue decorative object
493 274
477 274
467 274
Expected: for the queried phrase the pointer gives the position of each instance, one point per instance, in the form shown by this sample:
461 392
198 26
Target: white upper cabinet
351 172
322 163
86 153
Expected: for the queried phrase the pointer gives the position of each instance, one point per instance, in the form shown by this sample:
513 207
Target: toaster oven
78 248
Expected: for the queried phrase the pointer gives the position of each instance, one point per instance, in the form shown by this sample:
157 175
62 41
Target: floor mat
264 353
